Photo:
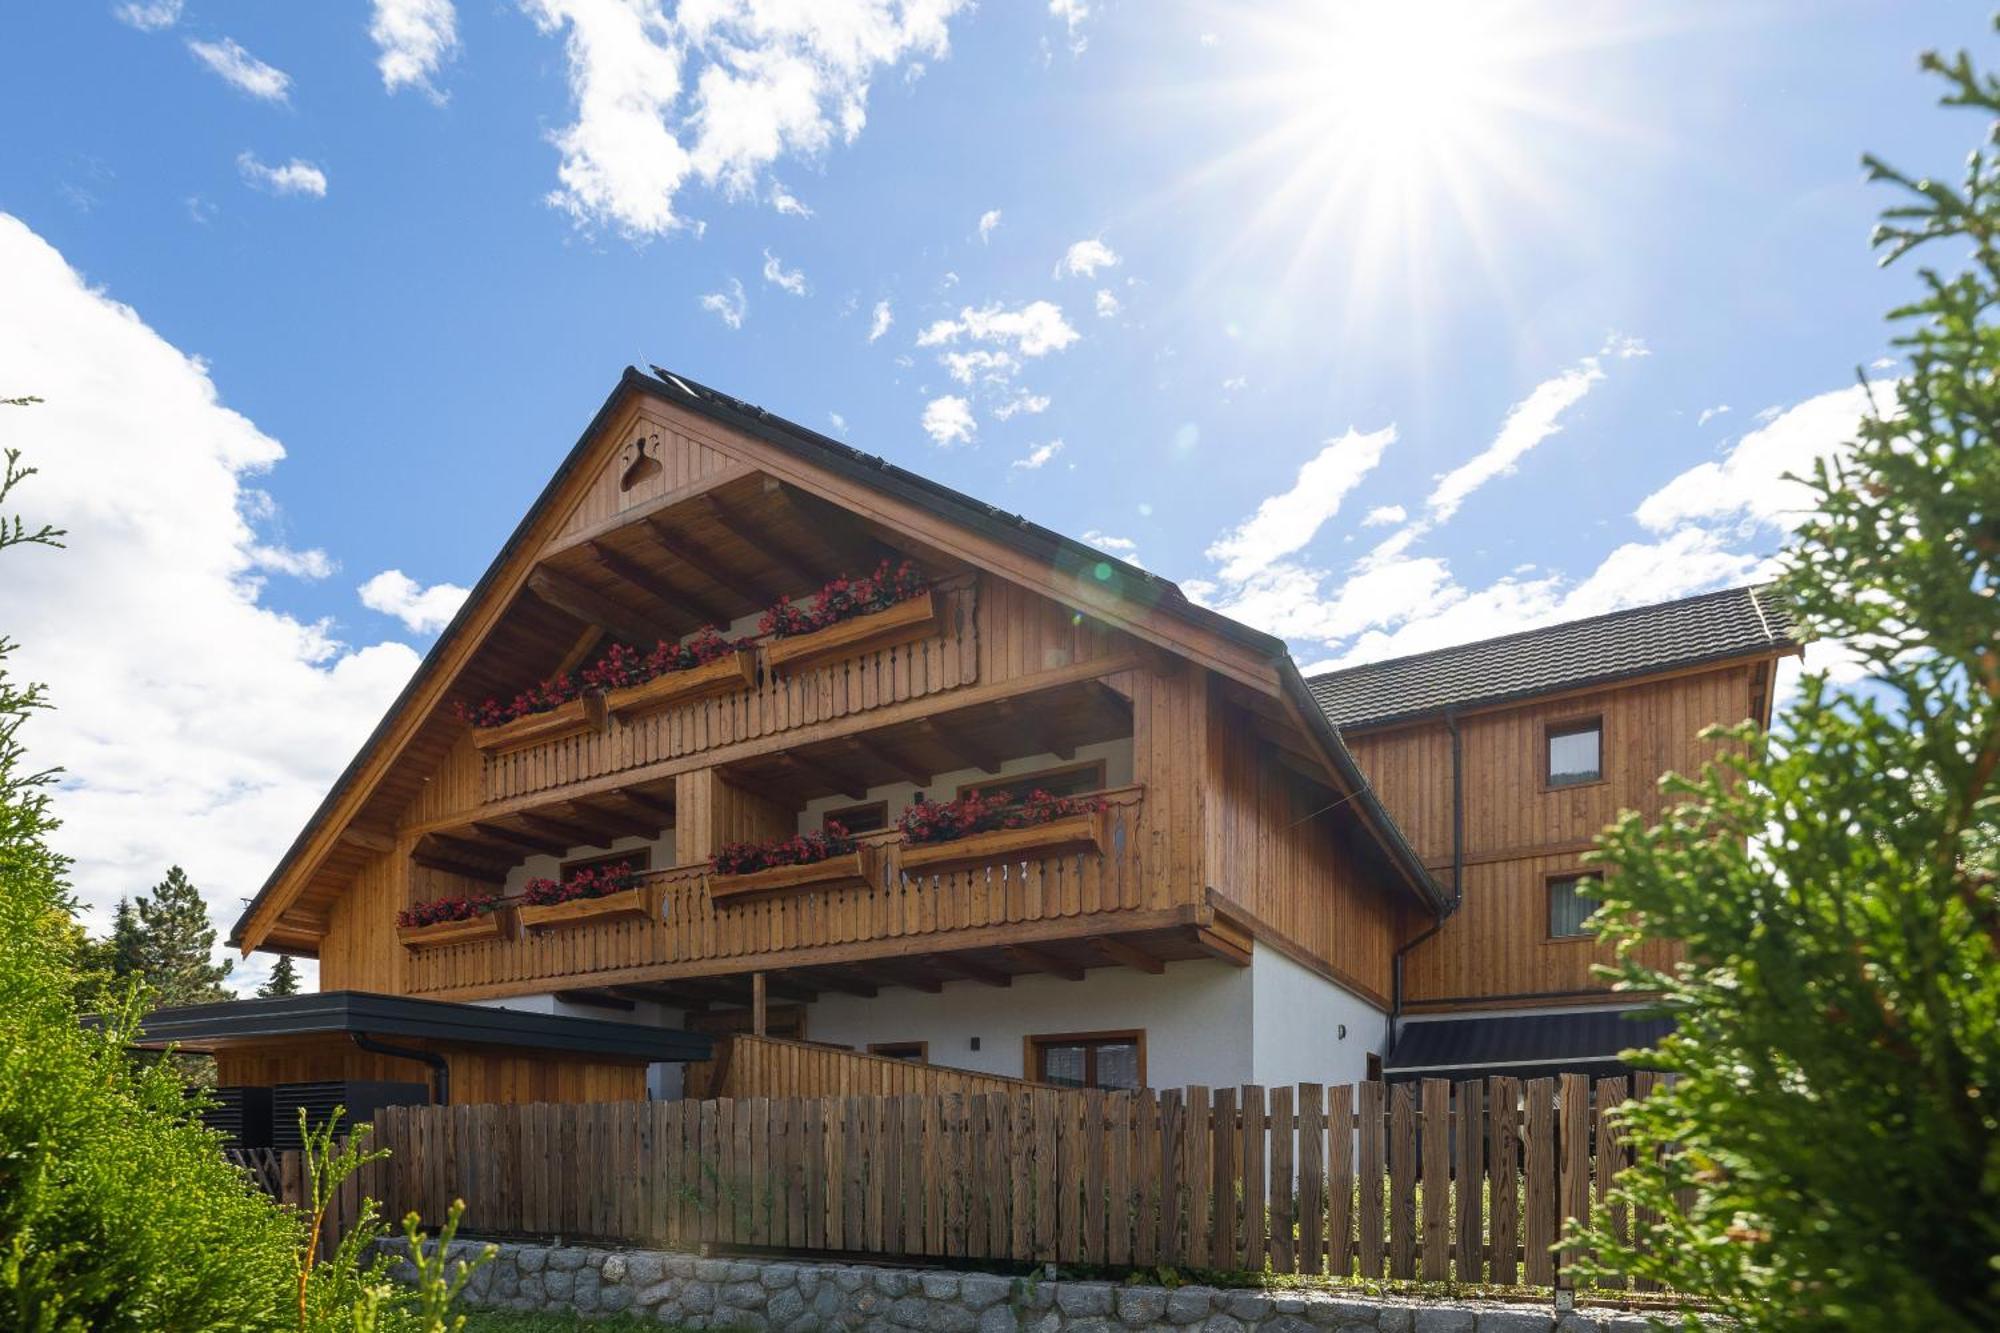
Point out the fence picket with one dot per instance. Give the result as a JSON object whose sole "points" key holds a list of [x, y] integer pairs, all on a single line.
{"points": [[1435, 1164], [1280, 1196]]}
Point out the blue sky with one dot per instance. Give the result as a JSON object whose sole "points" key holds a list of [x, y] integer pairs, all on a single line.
{"points": [[1219, 286]]}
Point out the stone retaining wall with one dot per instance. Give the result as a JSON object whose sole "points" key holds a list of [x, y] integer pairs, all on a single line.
{"points": [[779, 1296]]}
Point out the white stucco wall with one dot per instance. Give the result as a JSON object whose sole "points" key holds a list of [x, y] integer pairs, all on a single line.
{"points": [[1196, 1016], [1305, 1028]]}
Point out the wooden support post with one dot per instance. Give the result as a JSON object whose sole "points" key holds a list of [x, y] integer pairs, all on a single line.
{"points": [[757, 1003]]}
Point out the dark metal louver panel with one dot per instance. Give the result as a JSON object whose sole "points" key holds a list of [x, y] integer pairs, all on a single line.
{"points": [[358, 1099]]}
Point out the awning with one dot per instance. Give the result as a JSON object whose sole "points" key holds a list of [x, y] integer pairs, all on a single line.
{"points": [[204, 1027], [1528, 1045]]}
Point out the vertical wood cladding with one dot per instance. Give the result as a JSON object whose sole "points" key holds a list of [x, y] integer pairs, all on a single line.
{"points": [[1518, 831]]}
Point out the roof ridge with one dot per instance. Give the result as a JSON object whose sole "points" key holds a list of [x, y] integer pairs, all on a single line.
{"points": [[1749, 589]]}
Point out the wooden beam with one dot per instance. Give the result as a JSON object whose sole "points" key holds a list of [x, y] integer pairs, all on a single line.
{"points": [[892, 977], [645, 800], [704, 563], [591, 607], [838, 528], [692, 609], [759, 1004], [901, 764], [845, 783], [1131, 955], [599, 999], [1019, 713], [846, 983], [787, 557], [573, 835], [1229, 951], [1041, 960], [432, 860], [668, 995], [367, 839], [955, 743], [527, 842], [466, 849], [971, 971]]}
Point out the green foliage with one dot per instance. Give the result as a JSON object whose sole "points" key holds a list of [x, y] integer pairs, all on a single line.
{"points": [[1836, 1117], [175, 942], [116, 1211], [284, 979]]}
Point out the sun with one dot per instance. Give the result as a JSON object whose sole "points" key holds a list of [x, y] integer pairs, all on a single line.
{"points": [[1373, 136]]}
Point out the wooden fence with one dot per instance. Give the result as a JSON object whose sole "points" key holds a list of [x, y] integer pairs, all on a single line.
{"points": [[282, 1175], [747, 1066], [1465, 1180]]}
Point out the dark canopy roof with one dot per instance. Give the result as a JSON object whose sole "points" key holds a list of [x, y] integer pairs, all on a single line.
{"points": [[197, 1027], [1712, 627], [1521, 1045]]}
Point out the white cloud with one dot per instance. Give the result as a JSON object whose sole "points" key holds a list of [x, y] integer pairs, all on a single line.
{"points": [[1531, 421], [1709, 414], [948, 420], [1072, 13], [1031, 403], [1284, 523], [787, 203], [243, 71], [979, 363], [1035, 329], [729, 306], [1123, 547], [150, 15], [294, 177], [880, 322], [195, 722], [1038, 456], [716, 93], [987, 222], [1749, 482], [775, 273], [415, 38], [839, 422], [1085, 258], [423, 610], [1382, 515], [312, 564], [1107, 304]]}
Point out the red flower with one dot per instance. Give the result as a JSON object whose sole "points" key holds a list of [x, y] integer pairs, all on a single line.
{"points": [[448, 909], [589, 882], [947, 821], [801, 849], [845, 598]]}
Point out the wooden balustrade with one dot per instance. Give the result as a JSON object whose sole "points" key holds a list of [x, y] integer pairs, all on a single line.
{"points": [[866, 679], [751, 1066], [1090, 888]]}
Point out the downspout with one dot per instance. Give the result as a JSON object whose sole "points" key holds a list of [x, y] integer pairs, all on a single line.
{"points": [[440, 1071], [1457, 879]]}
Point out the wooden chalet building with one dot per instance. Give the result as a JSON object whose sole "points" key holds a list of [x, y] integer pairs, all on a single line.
{"points": [[1263, 870]]}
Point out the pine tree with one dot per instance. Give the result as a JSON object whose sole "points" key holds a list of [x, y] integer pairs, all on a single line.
{"points": [[175, 941], [126, 942], [1828, 1157], [284, 980]]}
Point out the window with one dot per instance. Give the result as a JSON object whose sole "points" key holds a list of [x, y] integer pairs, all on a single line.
{"points": [[1374, 1074], [1572, 898], [1070, 780], [639, 858], [1575, 752], [864, 818], [1115, 1060], [916, 1052]]}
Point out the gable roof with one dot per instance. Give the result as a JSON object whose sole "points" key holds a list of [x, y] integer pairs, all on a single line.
{"points": [[1013, 530], [1667, 636]]}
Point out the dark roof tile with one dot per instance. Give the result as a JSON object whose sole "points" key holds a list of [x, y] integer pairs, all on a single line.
{"points": [[1712, 627]]}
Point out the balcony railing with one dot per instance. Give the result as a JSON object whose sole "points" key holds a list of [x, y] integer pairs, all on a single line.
{"points": [[891, 914], [778, 702]]}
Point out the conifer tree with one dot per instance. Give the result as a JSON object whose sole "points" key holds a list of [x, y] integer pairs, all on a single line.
{"points": [[1828, 1157], [284, 979], [174, 944]]}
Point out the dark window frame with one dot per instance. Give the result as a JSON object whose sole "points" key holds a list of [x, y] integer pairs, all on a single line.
{"points": [[1549, 882], [881, 808], [639, 858], [919, 1051], [1555, 729], [1036, 1045]]}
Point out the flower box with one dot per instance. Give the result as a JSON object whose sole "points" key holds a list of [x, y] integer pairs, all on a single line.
{"points": [[725, 675], [906, 622], [574, 718], [497, 925], [853, 870], [640, 903], [1090, 832]]}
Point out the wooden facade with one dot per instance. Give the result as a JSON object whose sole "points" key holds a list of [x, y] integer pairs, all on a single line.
{"points": [[1519, 833], [667, 520]]}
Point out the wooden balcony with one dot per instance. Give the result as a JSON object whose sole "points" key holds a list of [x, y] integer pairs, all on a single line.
{"points": [[870, 676], [1021, 911]]}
